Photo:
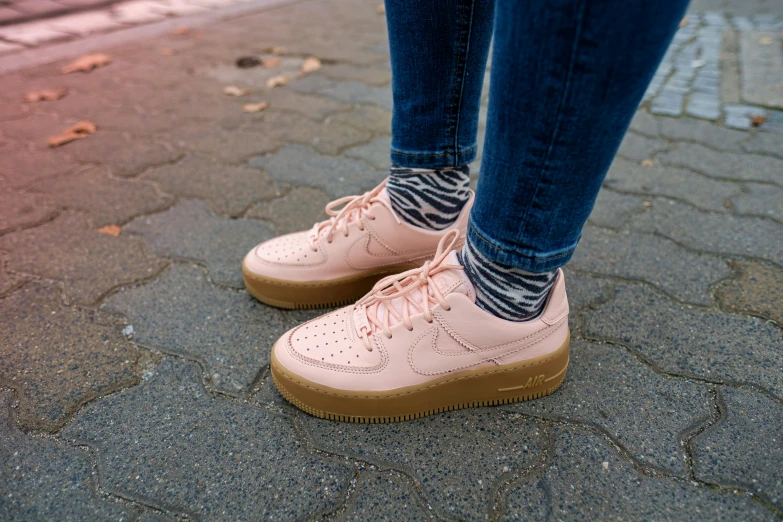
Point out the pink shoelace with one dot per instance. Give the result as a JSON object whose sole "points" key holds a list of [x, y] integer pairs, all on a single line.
{"points": [[375, 310], [355, 208]]}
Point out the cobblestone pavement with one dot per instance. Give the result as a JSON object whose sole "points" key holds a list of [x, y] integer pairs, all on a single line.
{"points": [[133, 368]]}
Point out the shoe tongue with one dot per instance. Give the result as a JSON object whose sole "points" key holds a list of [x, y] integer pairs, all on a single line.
{"points": [[448, 281], [454, 281]]}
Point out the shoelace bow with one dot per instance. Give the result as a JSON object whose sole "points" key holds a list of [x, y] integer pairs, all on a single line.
{"points": [[355, 208], [403, 286]]}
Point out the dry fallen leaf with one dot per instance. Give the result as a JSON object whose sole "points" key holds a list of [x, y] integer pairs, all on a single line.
{"points": [[757, 120], [381, 9], [647, 163], [45, 95], [255, 107], [766, 40], [167, 51], [311, 64], [277, 50], [683, 22], [647, 204], [181, 31], [271, 62], [277, 80], [110, 230], [76, 131], [87, 63], [233, 90], [245, 62]]}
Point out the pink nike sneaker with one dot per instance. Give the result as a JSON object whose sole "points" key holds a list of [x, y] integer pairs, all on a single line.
{"points": [[339, 260], [417, 344]]}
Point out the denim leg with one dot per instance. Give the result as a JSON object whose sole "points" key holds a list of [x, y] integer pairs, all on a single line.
{"points": [[438, 56], [567, 77]]}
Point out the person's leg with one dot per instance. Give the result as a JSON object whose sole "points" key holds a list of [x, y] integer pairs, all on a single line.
{"points": [[567, 77], [438, 57]]}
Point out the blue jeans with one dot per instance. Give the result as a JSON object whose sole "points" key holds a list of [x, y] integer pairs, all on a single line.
{"points": [[566, 79]]}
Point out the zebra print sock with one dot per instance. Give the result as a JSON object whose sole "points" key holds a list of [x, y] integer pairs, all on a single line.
{"points": [[504, 291], [430, 199]]}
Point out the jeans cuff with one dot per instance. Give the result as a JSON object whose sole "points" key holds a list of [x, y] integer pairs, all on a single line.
{"points": [[433, 160], [531, 261]]}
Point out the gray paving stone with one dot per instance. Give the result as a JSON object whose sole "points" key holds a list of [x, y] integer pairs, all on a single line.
{"points": [[756, 289], [297, 210], [386, 496], [700, 191], [709, 345], [106, 200], [315, 107], [583, 291], [711, 232], [760, 199], [357, 92], [58, 358], [181, 313], [311, 84], [766, 143], [689, 129], [744, 449], [588, 480], [456, 457], [613, 209], [84, 23], [20, 210], [668, 103], [709, 86], [762, 68], [726, 165], [34, 128], [337, 177], [229, 147], [152, 516], [773, 123], [327, 137], [376, 153], [220, 459], [43, 480], [647, 412], [87, 263], [366, 117], [638, 147], [703, 106], [125, 156], [31, 33], [190, 231], [715, 18], [137, 12], [644, 123], [374, 76], [684, 275], [6, 47], [737, 122], [9, 282], [741, 23], [228, 189]]}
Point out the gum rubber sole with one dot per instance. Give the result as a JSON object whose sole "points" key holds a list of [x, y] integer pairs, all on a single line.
{"points": [[492, 386], [316, 294]]}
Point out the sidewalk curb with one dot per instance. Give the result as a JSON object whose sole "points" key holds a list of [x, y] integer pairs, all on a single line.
{"points": [[50, 53]]}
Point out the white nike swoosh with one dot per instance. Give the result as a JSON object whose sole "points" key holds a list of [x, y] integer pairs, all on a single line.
{"points": [[426, 359]]}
